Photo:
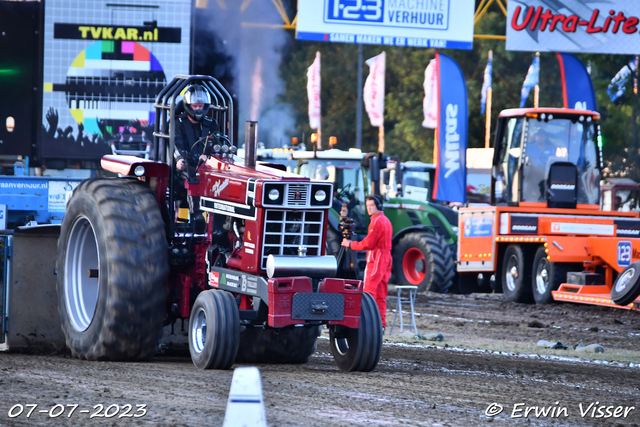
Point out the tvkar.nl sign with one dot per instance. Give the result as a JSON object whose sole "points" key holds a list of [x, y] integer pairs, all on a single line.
{"points": [[583, 26], [419, 23]]}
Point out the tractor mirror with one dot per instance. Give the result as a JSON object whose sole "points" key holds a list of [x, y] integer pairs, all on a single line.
{"points": [[386, 176], [374, 169]]}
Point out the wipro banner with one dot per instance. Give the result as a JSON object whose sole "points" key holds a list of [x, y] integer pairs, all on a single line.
{"points": [[418, 23], [584, 26], [453, 127]]}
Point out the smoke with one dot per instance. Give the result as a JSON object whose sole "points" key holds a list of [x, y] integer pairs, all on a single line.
{"points": [[256, 54], [256, 90]]}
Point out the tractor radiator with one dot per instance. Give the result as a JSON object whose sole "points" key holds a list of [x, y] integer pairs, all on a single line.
{"points": [[285, 231]]}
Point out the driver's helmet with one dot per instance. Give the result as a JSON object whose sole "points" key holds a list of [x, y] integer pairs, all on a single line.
{"points": [[322, 173], [195, 94]]}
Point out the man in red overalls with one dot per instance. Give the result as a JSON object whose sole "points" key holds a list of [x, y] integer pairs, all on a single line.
{"points": [[378, 247]]}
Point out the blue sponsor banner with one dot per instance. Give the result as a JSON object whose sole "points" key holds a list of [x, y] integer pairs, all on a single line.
{"points": [[453, 127], [440, 24], [577, 87], [478, 226]]}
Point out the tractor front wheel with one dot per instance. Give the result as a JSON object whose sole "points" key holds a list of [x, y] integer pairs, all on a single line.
{"points": [[359, 349], [112, 271], [214, 330], [424, 260]]}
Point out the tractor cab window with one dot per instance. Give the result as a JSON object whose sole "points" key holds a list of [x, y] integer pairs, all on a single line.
{"points": [[416, 185], [560, 140], [346, 176], [507, 174]]}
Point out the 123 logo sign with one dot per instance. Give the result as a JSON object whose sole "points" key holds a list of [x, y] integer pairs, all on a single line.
{"points": [[624, 253]]}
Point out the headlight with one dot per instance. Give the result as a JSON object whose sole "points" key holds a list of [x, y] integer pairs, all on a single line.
{"points": [[139, 170], [320, 196], [274, 195]]}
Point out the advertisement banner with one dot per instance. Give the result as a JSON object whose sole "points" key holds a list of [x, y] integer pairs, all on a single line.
{"points": [[104, 64], [373, 94], [442, 24], [313, 92], [577, 87], [451, 168], [584, 26]]}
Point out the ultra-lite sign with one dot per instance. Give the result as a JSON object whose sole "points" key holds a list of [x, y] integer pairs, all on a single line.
{"points": [[584, 26], [442, 24]]}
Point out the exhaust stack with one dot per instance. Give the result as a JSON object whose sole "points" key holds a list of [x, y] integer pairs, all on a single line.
{"points": [[250, 144]]}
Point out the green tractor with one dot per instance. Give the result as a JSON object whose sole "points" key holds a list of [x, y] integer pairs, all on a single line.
{"points": [[425, 232]]}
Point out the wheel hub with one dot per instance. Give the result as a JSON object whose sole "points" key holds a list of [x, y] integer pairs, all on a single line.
{"points": [[81, 283], [414, 266], [542, 276], [624, 281], [512, 274], [199, 330]]}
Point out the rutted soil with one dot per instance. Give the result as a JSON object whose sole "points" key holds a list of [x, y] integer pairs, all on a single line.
{"points": [[417, 383]]}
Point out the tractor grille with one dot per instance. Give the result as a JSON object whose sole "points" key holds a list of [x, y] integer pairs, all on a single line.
{"points": [[297, 195], [285, 231]]}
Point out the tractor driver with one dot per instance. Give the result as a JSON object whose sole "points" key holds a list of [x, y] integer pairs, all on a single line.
{"points": [[539, 150], [192, 125]]}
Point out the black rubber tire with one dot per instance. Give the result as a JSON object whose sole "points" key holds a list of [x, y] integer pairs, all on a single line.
{"points": [[359, 349], [119, 221], [516, 284], [438, 263], [216, 346], [290, 345], [556, 274], [626, 288]]}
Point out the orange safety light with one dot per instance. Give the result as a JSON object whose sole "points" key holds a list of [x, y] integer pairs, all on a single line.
{"points": [[333, 141], [294, 140], [314, 137]]}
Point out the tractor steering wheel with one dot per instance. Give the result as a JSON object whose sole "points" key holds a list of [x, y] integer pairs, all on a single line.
{"points": [[344, 191]]}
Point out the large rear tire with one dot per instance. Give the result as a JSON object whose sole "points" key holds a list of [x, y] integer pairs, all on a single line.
{"points": [[112, 271], [359, 349], [294, 346], [516, 275], [214, 330], [425, 260], [626, 288]]}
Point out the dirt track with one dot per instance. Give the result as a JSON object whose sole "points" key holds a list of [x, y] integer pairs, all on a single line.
{"points": [[416, 383]]}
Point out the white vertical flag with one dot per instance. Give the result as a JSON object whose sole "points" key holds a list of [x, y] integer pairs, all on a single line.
{"points": [[374, 90], [313, 92], [430, 103]]}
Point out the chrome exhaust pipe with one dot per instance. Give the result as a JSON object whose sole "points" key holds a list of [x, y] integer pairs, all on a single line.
{"points": [[250, 143], [316, 267]]}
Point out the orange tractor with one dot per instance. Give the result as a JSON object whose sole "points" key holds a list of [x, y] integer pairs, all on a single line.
{"points": [[545, 237]]}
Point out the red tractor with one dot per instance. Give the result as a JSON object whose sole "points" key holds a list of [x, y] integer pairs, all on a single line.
{"points": [[247, 268]]}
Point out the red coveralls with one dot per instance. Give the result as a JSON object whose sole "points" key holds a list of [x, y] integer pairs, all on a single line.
{"points": [[378, 247]]}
